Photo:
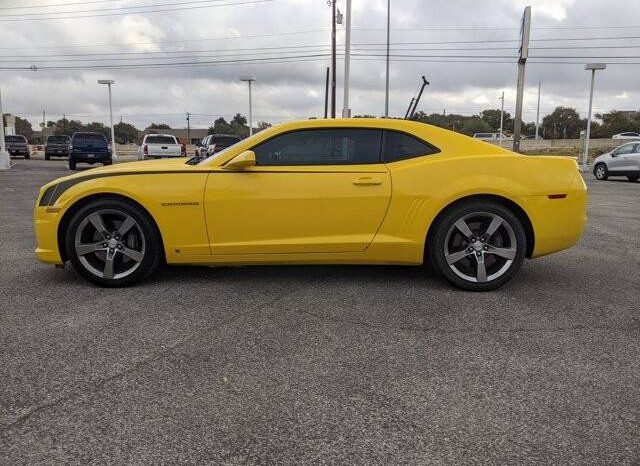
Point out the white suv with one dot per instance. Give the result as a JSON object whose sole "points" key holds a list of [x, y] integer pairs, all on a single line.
{"points": [[621, 161]]}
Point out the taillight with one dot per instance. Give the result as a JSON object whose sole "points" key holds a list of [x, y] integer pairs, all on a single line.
{"points": [[183, 149], [146, 149]]}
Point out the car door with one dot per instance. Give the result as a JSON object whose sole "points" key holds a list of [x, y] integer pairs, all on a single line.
{"points": [[311, 191], [621, 158], [634, 159]]}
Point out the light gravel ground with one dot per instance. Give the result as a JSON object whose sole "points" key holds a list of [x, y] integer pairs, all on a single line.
{"points": [[324, 364]]}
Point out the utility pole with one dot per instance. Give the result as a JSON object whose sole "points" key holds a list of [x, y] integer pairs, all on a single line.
{"points": [[406, 114], [346, 111], [188, 128], [591, 67], [5, 161], [44, 119], [501, 99], [64, 122], [333, 58], [326, 93], [538, 110], [386, 86], [525, 28]]}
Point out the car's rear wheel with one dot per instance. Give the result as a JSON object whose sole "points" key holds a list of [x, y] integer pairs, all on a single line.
{"points": [[478, 245], [113, 243], [47, 157], [600, 172], [72, 164], [633, 178]]}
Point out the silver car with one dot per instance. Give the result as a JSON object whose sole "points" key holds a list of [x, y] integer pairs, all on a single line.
{"points": [[621, 161]]}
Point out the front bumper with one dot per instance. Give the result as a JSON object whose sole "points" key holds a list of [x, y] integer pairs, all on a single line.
{"points": [[46, 230]]}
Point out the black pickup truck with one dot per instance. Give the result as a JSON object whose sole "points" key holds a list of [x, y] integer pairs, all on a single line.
{"points": [[17, 145], [57, 146]]}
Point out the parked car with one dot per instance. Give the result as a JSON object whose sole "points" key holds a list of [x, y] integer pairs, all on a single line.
{"points": [[492, 137], [215, 143], [90, 148], [58, 146], [17, 145], [156, 146], [621, 161], [627, 135], [339, 191]]}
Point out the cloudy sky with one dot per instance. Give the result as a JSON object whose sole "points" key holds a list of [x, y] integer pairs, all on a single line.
{"points": [[188, 55]]}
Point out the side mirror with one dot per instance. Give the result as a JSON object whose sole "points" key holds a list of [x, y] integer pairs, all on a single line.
{"points": [[242, 161], [614, 153]]}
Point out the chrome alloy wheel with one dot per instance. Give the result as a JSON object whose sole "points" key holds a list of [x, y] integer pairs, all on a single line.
{"points": [[110, 244], [480, 247]]}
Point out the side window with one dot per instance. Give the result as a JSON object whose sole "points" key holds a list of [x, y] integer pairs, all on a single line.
{"points": [[344, 146], [628, 149], [400, 146]]}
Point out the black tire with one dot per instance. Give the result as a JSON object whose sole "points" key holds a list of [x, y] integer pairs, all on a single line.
{"points": [[600, 172], [633, 178], [107, 163], [478, 216], [27, 156], [47, 156], [142, 239], [72, 164]]}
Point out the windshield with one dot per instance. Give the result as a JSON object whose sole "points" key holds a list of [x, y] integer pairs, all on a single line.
{"points": [[224, 140], [15, 139], [60, 139], [160, 140], [89, 139]]}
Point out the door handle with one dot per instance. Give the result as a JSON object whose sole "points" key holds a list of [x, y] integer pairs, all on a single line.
{"points": [[367, 181]]}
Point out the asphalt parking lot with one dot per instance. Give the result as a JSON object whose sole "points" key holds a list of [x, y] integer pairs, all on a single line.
{"points": [[322, 364]]}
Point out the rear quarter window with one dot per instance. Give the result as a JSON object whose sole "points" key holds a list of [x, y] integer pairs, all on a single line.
{"points": [[89, 139], [401, 146]]}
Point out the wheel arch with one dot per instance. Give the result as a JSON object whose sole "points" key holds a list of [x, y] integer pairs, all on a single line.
{"points": [[80, 203], [517, 210]]}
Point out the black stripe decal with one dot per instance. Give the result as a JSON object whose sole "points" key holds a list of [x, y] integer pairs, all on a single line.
{"points": [[53, 193]]}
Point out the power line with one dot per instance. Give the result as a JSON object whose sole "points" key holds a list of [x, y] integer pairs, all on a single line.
{"points": [[131, 7], [245, 2]]}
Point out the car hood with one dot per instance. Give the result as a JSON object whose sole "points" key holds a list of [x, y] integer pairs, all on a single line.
{"points": [[163, 165]]}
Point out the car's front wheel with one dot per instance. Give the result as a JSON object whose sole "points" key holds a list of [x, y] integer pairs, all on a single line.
{"points": [[633, 178], [113, 242], [478, 245], [600, 172]]}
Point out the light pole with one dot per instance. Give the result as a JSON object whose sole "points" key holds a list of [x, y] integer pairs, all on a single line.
{"points": [[346, 111], [5, 163], [501, 117], [386, 91], [593, 67], [249, 79], [109, 82], [538, 111]]}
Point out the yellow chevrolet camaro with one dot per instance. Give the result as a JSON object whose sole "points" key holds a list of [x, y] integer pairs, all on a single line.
{"points": [[352, 191]]}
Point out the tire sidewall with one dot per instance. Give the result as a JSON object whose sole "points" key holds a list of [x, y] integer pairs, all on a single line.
{"points": [[153, 249], [595, 172], [436, 244]]}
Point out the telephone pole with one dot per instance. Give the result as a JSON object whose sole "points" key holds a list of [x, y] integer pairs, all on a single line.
{"points": [[326, 94], [386, 85], [333, 58], [346, 111], [522, 61], [188, 128]]}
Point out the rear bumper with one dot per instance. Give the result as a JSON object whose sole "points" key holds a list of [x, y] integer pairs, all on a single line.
{"points": [[17, 151], [558, 223], [83, 157]]}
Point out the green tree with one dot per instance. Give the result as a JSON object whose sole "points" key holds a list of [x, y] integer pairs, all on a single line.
{"points": [[492, 118], [616, 122], [220, 126], [68, 127], [125, 133], [475, 125], [562, 123], [156, 126], [263, 125]]}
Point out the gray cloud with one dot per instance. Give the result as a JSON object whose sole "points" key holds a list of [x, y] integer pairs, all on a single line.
{"points": [[291, 90]]}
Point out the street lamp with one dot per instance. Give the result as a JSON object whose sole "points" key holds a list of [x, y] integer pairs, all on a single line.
{"points": [[5, 162], [249, 79], [346, 111], [593, 67], [109, 82]]}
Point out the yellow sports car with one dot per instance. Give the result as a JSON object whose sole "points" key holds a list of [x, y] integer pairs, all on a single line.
{"points": [[351, 191]]}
